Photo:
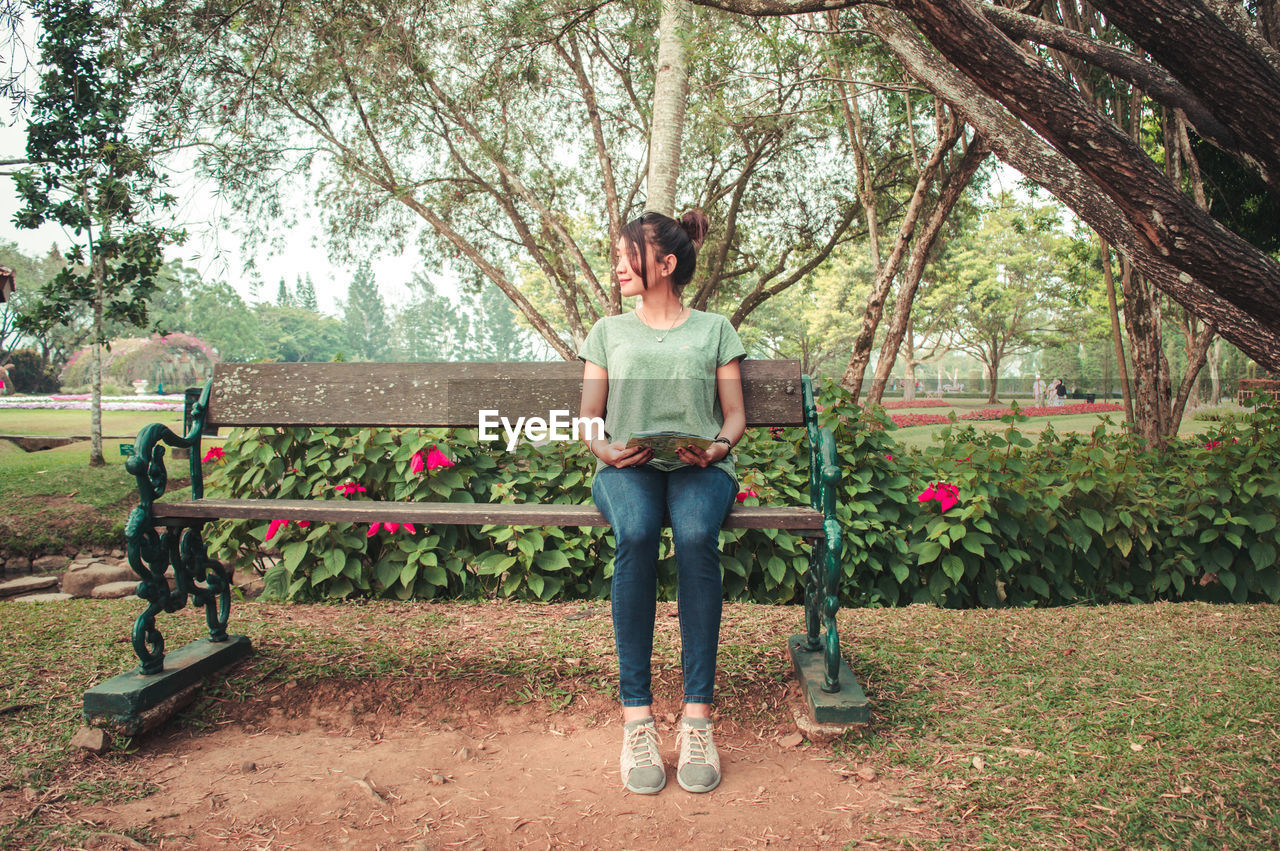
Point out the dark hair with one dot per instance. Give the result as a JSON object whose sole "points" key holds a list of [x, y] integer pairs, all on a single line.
{"points": [[682, 238]]}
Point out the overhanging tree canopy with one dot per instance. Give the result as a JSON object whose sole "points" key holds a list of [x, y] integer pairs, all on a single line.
{"points": [[1207, 58]]}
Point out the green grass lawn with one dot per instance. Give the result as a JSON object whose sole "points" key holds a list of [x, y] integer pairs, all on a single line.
{"points": [[1150, 726], [918, 437], [118, 423], [53, 500]]}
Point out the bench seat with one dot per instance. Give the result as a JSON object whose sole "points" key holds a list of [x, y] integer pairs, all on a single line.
{"points": [[455, 513]]}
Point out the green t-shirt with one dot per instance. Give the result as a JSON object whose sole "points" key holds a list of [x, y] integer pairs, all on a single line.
{"points": [[663, 386]]}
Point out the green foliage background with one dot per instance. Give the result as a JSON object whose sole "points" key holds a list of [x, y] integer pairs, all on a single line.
{"points": [[1068, 519]]}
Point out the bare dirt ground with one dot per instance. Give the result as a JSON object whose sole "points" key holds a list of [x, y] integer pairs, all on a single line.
{"points": [[403, 764]]}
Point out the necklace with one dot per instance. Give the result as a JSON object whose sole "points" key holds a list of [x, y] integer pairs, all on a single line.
{"points": [[668, 331]]}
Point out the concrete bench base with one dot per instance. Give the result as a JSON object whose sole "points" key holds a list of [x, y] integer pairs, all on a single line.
{"points": [[847, 706], [135, 702]]}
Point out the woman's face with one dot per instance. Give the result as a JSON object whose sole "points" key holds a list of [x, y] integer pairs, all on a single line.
{"points": [[629, 276]]}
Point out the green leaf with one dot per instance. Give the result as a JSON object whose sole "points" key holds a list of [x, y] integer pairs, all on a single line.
{"points": [[1036, 584], [408, 574], [929, 550], [293, 554], [275, 583], [551, 560], [386, 572], [1263, 555], [1270, 584], [1092, 519]]}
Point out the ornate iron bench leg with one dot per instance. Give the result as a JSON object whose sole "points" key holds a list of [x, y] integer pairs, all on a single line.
{"points": [[830, 604], [138, 699], [813, 595], [149, 557], [194, 565]]}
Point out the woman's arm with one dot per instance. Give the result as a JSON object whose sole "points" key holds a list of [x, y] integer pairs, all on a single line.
{"points": [[729, 389], [595, 393]]}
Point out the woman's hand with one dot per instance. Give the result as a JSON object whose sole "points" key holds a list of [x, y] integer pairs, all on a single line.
{"points": [[619, 455], [699, 457]]}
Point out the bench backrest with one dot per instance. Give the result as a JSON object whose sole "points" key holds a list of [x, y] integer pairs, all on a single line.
{"points": [[445, 394]]}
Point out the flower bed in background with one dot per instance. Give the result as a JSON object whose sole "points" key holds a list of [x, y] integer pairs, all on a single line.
{"points": [[908, 420], [896, 404], [81, 402], [1043, 411]]}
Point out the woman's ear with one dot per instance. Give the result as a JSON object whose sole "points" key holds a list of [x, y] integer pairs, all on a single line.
{"points": [[667, 265]]}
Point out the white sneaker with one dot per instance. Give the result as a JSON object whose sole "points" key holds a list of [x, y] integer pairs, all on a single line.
{"points": [[642, 768], [699, 766]]}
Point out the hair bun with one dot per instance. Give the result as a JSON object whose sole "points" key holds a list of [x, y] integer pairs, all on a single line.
{"points": [[695, 224]]}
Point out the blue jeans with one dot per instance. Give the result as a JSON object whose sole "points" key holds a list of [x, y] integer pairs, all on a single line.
{"points": [[636, 501]]}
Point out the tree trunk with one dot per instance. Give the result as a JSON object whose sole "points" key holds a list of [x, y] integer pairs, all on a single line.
{"points": [[1197, 349], [862, 344], [1214, 359], [670, 94], [95, 405], [952, 189], [909, 379], [1116, 337], [1152, 385], [993, 370]]}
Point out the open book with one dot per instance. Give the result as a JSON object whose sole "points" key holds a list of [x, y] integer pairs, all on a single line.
{"points": [[665, 443]]}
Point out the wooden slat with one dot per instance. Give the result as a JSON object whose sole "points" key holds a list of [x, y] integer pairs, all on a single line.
{"points": [[444, 394], [449, 513]]}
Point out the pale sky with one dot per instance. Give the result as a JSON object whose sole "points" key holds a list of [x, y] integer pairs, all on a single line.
{"points": [[216, 250]]}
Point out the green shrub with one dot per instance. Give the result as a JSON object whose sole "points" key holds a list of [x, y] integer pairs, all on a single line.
{"points": [[1068, 519], [28, 373]]}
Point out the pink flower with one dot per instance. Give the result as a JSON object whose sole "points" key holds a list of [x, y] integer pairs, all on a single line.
{"points": [[349, 488], [408, 527], [391, 527], [418, 463], [743, 495], [888, 457], [275, 526], [946, 494], [304, 523], [1213, 444], [436, 458], [373, 529], [216, 453]]}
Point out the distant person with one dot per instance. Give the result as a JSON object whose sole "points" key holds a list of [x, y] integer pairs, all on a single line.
{"points": [[1062, 392], [1037, 390]]}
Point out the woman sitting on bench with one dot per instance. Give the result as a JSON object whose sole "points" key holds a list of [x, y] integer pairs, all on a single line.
{"points": [[669, 368]]}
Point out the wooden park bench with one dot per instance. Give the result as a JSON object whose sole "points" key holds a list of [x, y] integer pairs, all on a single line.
{"points": [[160, 535]]}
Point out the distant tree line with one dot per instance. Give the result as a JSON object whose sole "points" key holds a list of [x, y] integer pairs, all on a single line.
{"points": [[428, 325]]}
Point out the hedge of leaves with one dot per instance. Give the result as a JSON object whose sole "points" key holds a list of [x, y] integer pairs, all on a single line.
{"points": [[980, 518]]}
